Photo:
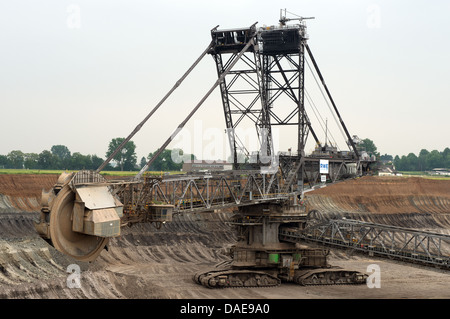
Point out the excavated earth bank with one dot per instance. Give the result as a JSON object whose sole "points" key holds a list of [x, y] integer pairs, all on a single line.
{"points": [[406, 202], [145, 262]]}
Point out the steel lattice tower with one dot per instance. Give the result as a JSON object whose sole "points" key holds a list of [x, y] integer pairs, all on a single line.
{"points": [[273, 67]]}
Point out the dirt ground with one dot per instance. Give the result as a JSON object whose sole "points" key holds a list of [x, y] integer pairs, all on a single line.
{"points": [[384, 195], [149, 263]]}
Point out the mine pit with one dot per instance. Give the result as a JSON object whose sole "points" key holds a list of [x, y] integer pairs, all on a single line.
{"points": [[146, 262]]}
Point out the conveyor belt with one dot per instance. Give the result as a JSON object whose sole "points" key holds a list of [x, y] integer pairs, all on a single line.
{"points": [[377, 239]]}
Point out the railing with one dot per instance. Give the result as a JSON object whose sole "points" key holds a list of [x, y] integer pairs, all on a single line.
{"points": [[209, 192], [202, 192], [377, 239]]}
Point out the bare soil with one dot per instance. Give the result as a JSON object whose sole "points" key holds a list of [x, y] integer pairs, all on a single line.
{"points": [[384, 195], [149, 263]]}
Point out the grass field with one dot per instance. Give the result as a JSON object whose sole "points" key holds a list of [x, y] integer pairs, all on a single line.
{"points": [[110, 173], [424, 175]]}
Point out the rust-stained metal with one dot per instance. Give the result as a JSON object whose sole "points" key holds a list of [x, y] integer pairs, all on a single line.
{"points": [[83, 210], [79, 220]]}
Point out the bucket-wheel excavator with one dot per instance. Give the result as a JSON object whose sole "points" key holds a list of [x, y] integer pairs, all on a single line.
{"points": [[83, 210]]}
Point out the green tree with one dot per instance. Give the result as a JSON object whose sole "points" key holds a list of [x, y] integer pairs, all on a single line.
{"points": [[369, 146], [423, 152], [446, 152], [143, 162], [386, 158], [446, 157], [402, 165], [397, 162], [31, 160], [96, 161], [4, 162], [80, 161], [422, 160], [63, 155], [165, 161], [126, 157], [16, 159], [46, 160], [411, 162], [434, 159]]}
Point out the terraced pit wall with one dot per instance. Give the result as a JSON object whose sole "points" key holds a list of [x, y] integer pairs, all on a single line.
{"points": [[145, 262], [400, 201]]}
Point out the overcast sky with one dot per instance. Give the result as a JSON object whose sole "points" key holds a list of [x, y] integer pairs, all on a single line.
{"points": [[80, 73]]}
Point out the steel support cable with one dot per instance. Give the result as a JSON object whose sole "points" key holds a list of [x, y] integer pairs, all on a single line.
{"points": [[316, 112], [349, 139], [326, 101], [139, 126], [318, 116], [182, 124], [314, 109]]}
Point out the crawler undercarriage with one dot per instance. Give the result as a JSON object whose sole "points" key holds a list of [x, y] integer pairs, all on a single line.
{"points": [[237, 278], [260, 259]]}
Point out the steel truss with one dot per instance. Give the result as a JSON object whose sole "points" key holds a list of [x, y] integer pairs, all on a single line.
{"points": [[250, 90], [242, 89], [377, 239], [201, 192], [271, 68]]}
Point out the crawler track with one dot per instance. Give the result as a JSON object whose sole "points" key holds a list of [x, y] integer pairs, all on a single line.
{"points": [[233, 278], [335, 276]]}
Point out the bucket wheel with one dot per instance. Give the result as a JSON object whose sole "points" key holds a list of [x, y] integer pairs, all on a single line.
{"points": [[79, 246]]}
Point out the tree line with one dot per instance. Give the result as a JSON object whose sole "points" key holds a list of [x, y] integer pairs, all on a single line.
{"points": [[424, 161], [59, 157]]}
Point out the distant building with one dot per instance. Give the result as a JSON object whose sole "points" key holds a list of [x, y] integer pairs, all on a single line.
{"points": [[440, 171], [389, 174], [388, 170], [197, 165]]}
